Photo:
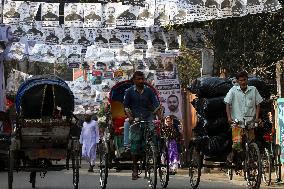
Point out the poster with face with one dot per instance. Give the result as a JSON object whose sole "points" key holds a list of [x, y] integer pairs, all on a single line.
{"points": [[35, 32], [110, 14], [51, 53], [158, 39], [17, 32], [115, 40], [16, 51], [141, 38], [29, 11], [180, 16], [63, 54], [53, 35], [74, 56], [73, 14], [172, 40], [7, 33], [82, 37], [36, 53], [145, 16], [126, 16], [69, 36], [101, 40], [93, 15], [161, 17], [11, 12], [50, 14]]}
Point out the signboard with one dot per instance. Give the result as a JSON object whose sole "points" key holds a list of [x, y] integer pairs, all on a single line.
{"points": [[280, 103]]}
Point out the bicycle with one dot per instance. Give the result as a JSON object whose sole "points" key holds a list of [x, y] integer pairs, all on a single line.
{"points": [[151, 149], [251, 161]]}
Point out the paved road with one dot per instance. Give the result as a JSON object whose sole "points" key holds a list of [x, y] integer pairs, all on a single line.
{"points": [[63, 180]]}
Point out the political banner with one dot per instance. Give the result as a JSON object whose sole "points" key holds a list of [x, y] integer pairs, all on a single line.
{"points": [[50, 14], [73, 14], [93, 15]]}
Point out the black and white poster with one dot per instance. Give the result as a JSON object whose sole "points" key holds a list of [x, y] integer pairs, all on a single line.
{"points": [[93, 15], [172, 39], [63, 54], [11, 12], [16, 32], [158, 39], [83, 37], [53, 35], [69, 36], [16, 51], [34, 32], [74, 56], [73, 14], [161, 17], [110, 14], [29, 11], [145, 16], [127, 16], [50, 14], [141, 38], [115, 40], [101, 38]]}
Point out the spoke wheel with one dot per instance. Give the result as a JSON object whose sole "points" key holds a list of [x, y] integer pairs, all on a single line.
{"points": [[195, 165], [253, 168], [104, 159], [10, 169], [151, 166], [266, 166], [75, 167], [164, 167]]}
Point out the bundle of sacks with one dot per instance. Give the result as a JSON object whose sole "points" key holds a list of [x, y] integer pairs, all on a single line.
{"points": [[211, 110], [212, 129]]}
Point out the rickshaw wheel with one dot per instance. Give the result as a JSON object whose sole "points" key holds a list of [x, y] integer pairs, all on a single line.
{"points": [[266, 166], [11, 168], [104, 159], [75, 167], [253, 168], [151, 166], [195, 165], [164, 167]]}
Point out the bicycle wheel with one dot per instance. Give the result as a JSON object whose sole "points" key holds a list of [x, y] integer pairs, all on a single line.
{"points": [[253, 169], [195, 165], [10, 169], [164, 167], [266, 166], [151, 166], [75, 167], [277, 163], [104, 159]]}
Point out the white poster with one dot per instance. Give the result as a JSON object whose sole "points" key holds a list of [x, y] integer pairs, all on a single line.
{"points": [[29, 11], [145, 16], [110, 14], [53, 35], [63, 55], [35, 32], [50, 14], [167, 83], [73, 14], [93, 15], [74, 56], [126, 16], [11, 12], [16, 51], [69, 36]]}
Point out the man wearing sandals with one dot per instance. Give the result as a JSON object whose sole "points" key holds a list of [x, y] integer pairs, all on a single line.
{"points": [[141, 102], [241, 101]]}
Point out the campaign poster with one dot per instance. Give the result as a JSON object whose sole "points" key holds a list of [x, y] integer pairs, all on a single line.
{"points": [[280, 102], [93, 15], [50, 14], [73, 14], [11, 12], [146, 13], [29, 11], [127, 16]]}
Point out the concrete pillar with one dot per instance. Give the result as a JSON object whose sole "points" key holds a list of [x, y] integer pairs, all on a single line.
{"points": [[207, 62]]}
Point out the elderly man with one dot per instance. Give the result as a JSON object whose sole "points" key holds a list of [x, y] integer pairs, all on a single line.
{"points": [[89, 139]]}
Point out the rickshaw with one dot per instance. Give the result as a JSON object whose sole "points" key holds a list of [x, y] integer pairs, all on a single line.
{"points": [[45, 132], [111, 150]]}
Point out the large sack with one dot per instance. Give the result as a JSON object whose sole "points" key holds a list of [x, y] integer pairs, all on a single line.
{"points": [[210, 107], [207, 87], [262, 87]]}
